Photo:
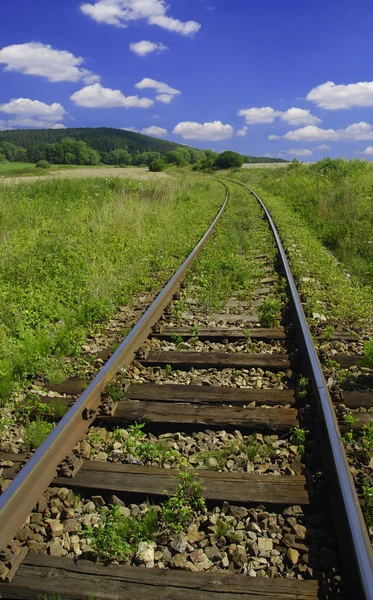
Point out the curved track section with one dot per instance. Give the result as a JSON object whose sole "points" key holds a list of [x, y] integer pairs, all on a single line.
{"points": [[358, 547]]}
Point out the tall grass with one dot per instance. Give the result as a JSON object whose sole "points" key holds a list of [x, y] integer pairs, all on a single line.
{"points": [[335, 198], [72, 250]]}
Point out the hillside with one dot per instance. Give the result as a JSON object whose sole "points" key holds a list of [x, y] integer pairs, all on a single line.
{"points": [[104, 140]]}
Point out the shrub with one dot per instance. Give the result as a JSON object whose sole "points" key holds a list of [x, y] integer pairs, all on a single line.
{"points": [[228, 160], [157, 165], [42, 164]]}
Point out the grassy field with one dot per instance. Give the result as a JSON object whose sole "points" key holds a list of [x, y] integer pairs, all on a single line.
{"points": [[71, 250], [334, 198], [14, 167], [326, 287]]}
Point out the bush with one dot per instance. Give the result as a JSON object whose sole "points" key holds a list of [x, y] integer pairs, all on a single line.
{"points": [[42, 164], [157, 165], [228, 160]]}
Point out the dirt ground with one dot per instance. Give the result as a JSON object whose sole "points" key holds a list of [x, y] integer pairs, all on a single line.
{"points": [[130, 172]]}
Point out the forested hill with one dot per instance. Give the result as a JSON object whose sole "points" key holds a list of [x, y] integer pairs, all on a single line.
{"points": [[103, 139], [88, 146]]}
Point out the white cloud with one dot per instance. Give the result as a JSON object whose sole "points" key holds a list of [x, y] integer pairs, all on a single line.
{"points": [[35, 58], [154, 130], [165, 93], [242, 132], [121, 12], [274, 137], [215, 131], [133, 129], [368, 151], [323, 147], [37, 123], [33, 108], [165, 98], [356, 131], [333, 97], [3, 125], [266, 114], [96, 96], [145, 47], [300, 152], [299, 116]]}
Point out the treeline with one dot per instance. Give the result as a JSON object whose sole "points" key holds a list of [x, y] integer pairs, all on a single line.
{"points": [[108, 146]]}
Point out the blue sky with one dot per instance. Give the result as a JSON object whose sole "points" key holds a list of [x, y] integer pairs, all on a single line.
{"points": [[286, 79]]}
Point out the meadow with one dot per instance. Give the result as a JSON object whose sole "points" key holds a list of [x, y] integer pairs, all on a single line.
{"points": [[72, 250], [334, 198]]}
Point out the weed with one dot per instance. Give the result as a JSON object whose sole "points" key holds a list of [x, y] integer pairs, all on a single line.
{"points": [[367, 360], [270, 313], [168, 369], [328, 333], [116, 536], [195, 332], [36, 432], [94, 438], [179, 510], [299, 435], [114, 391], [250, 344], [303, 383], [367, 439], [349, 420], [221, 528], [178, 340]]}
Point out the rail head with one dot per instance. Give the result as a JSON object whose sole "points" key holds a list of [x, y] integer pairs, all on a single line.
{"points": [[361, 549], [19, 499]]}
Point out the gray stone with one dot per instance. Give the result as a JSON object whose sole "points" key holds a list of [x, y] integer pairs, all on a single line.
{"points": [[292, 555], [265, 545], [179, 544], [145, 554], [55, 549], [55, 528], [71, 525], [213, 553]]}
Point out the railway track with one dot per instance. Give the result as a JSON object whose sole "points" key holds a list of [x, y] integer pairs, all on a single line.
{"points": [[273, 511]]}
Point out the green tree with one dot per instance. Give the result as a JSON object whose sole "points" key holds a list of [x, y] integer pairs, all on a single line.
{"points": [[2, 158], [228, 159], [179, 157], [157, 165], [119, 157]]}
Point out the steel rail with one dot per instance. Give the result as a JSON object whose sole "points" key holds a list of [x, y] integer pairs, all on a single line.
{"points": [[24, 492], [360, 549]]}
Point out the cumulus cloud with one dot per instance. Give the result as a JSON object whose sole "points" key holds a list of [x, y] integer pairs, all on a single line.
{"points": [[96, 96], [333, 97], [215, 131], [299, 116], [33, 108], [154, 130], [145, 47], [300, 152], [323, 147], [274, 137], [133, 129], [165, 93], [37, 123], [368, 151], [266, 114], [356, 131], [242, 132], [121, 12], [35, 58]]}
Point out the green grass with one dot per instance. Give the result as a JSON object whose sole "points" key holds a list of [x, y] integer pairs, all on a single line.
{"points": [[335, 199], [71, 251], [11, 167], [325, 287]]}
